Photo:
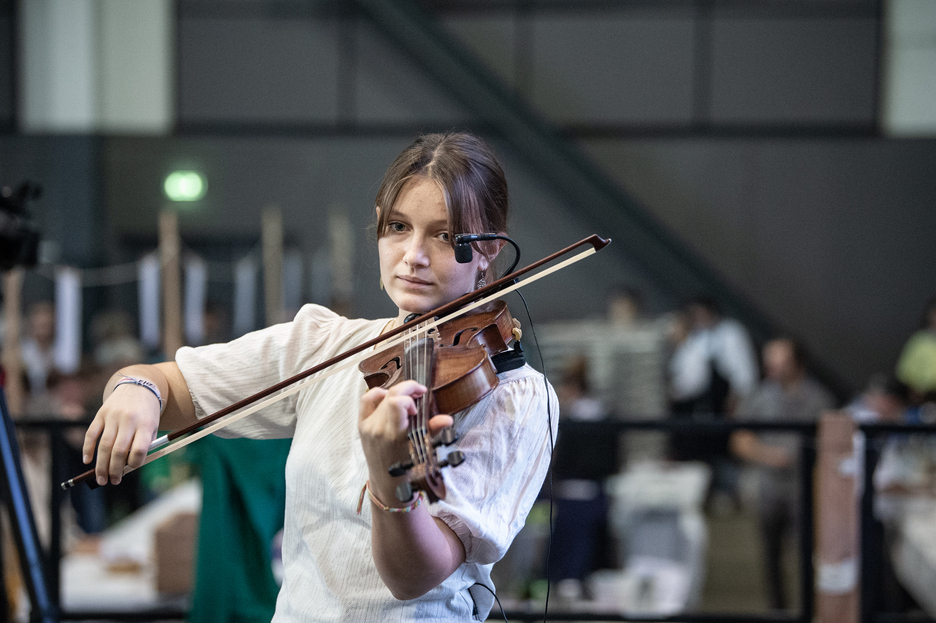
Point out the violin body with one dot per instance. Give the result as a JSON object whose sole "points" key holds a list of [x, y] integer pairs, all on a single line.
{"points": [[453, 361]]}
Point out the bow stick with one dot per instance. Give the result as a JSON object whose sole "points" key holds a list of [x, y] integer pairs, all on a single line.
{"points": [[161, 446]]}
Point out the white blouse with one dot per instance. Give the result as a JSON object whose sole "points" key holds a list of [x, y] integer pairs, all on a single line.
{"points": [[328, 568]]}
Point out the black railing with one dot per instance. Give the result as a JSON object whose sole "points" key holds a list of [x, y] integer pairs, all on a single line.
{"points": [[55, 430], [707, 427], [871, 545]]}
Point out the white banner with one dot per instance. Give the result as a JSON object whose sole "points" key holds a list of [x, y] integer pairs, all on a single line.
{"points": [[292, 282], [67, 320], [245, 296], [149, 293], [196, 292]]}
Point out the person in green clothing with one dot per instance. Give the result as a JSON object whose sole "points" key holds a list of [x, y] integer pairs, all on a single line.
{"points": [[916, 366]]}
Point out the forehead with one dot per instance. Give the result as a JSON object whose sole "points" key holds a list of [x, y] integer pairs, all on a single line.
{"points": [[421, 198]]}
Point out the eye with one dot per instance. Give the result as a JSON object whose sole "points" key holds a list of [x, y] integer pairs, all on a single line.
{"points": [[395, 226], [445, 237]]}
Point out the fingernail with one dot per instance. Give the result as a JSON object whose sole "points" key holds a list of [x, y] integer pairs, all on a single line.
{"points": [[85, 459], [101, 480]]}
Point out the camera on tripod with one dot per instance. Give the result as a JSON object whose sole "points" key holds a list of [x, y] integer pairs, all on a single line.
{"points": [[19, 238]]}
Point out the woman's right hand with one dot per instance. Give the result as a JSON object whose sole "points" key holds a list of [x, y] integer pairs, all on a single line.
{"points": [[127, 422], [122, 431]]}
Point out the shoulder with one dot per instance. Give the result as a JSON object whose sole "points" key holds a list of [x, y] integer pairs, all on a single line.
{"points": [[324, 318], [522, 396], [524, 381]]}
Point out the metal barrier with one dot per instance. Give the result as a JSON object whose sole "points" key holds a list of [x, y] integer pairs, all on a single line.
{"points": [[870, 545], [711, 427], [55, 430]]}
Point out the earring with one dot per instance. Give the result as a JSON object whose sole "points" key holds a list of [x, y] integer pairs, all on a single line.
{"points": [[481, 281], [381, 283]]}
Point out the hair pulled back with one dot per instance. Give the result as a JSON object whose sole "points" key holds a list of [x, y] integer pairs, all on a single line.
{"points": [[469, 176]]}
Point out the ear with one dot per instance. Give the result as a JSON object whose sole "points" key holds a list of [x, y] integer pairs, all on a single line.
{"points": [[494, 247]]}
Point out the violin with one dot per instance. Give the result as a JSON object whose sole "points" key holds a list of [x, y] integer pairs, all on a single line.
{"points": [[453, 361], [178, 439]]}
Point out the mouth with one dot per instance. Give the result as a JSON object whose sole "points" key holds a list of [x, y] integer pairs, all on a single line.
{"points": [[414, 281]]}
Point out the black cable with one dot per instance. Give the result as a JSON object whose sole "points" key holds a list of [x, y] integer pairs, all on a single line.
{"points": [[463, 252], [552, 444], [516, 260], [497, 599]]}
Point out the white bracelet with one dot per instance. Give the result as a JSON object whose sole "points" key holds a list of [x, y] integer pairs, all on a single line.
{"points": [[132, 380]]}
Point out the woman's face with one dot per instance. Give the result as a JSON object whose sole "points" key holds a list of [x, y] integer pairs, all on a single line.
{"points": [[417, 262]]}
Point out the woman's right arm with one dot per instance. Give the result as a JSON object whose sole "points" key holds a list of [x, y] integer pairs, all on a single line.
{"points": [[126, 423]]}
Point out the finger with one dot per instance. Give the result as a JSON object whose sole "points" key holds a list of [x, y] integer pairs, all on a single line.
{"points": [[140, 447], [91, 437], [105, 446], [439, 422], [408, 388], [370, 401], [118, 457], [399, 408]]}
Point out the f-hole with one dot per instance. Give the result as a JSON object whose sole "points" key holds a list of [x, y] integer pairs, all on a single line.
{"points": [[395, 360], [457, 340]]}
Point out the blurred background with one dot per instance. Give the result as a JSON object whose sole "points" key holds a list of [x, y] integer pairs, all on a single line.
{"points": [[767, 162]]}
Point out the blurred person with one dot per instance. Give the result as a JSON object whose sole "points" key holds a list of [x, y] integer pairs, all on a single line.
{"points": [[625, 306], [916, 366], [66, 398], [710, 369], [903, 473], [583, 460], [715, 365], [787, 394], [37, 347], [115, 342]]}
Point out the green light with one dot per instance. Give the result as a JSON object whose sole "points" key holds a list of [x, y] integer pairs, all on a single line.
{"points": [[185, 186]]}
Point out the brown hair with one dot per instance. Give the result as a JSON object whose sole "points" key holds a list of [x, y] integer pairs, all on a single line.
{"points": [[472, 183]]}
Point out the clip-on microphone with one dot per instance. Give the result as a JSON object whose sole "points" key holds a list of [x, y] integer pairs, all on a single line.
{"points": [[464, 253]]}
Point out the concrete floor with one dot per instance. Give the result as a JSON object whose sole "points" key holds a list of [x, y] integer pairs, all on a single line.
{"points": [[734, 579]]}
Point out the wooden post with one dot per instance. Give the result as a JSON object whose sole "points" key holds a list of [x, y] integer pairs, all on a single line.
{"points": [[12, 359], [272, 240], [341, 242], [169, 256], [837, 521]]}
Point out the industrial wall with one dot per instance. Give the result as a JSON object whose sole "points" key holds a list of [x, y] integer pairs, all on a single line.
{"points": [[749, 130]]}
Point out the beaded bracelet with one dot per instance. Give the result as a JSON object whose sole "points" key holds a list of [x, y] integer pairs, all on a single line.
{"points": [[132, 380], [417, 500]]}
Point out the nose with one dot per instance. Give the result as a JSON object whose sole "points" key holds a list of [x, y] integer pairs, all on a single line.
{"points": [[416, 254]]}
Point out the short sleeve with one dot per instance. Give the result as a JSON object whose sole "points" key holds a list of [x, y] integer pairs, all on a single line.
{"points": [[219, 375], [507, 440]]}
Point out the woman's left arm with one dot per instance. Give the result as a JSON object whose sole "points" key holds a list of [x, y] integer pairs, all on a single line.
{"points": [[413, 551]]}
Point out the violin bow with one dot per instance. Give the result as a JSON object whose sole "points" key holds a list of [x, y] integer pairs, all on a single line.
{"points": [[178, 439]]}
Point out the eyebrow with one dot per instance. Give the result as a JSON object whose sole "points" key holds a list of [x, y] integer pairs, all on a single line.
{"points": [[399, 216]]}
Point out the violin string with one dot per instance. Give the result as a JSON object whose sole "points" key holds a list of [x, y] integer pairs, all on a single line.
{"points": [[424, 401], [424, 374], [411, 369]]}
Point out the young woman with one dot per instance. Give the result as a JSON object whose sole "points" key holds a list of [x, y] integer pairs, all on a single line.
{"points": [[395, 560]]}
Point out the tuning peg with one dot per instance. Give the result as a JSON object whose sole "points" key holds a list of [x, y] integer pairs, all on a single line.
{"points": [[404, 492], [454, 459], [400, 469], [445, 438]]}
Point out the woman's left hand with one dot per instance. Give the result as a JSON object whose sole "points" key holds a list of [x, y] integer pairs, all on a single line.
{"points": [[383, 424], [413, 551]]}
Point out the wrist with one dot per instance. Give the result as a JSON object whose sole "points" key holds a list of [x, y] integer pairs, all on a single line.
{"points": [[124, 379], [406, 507]]}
